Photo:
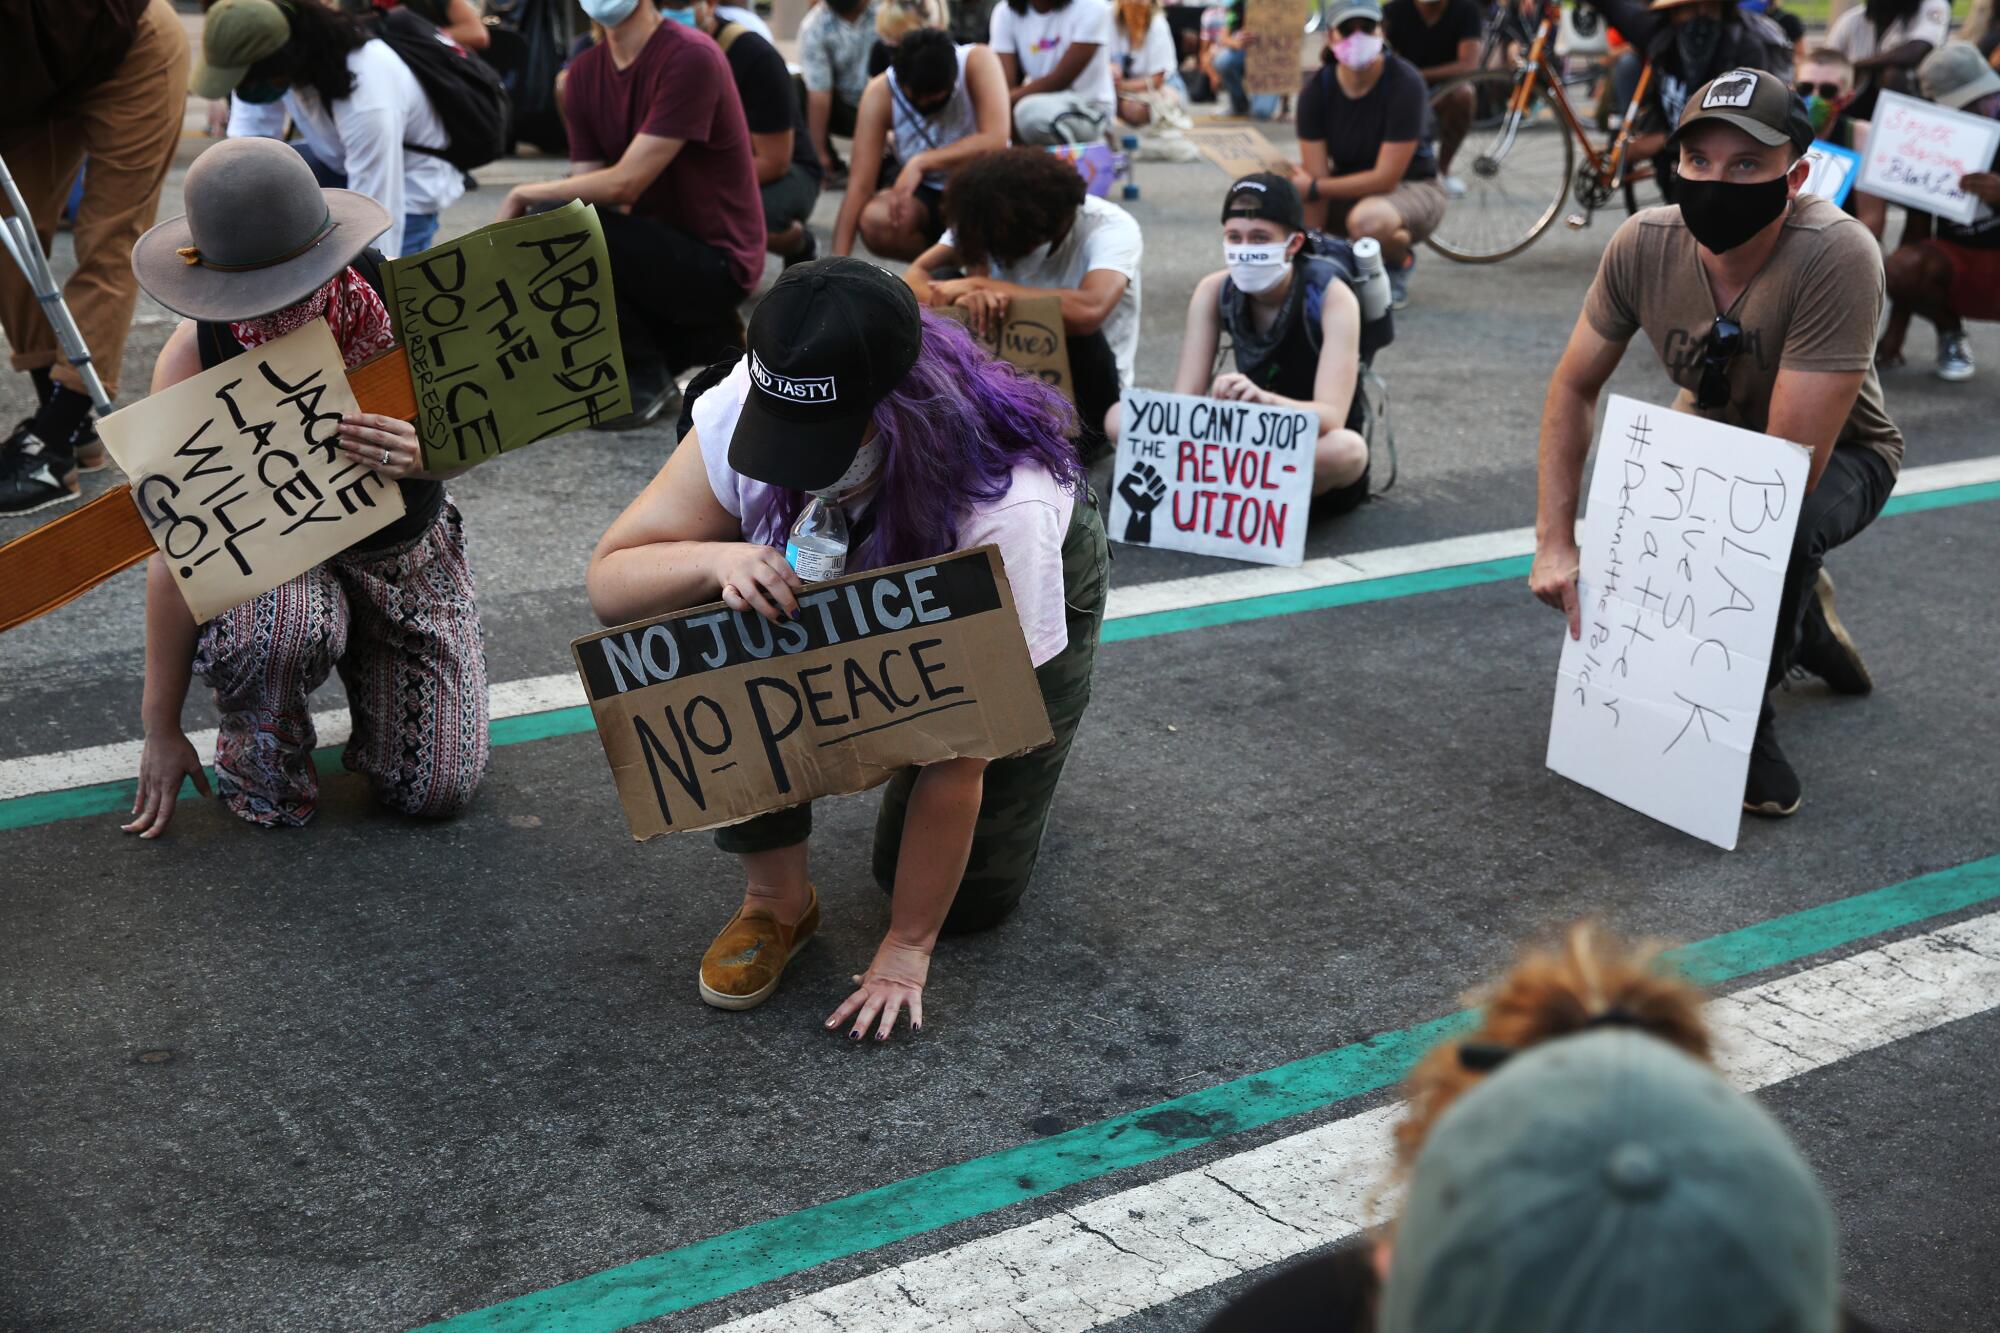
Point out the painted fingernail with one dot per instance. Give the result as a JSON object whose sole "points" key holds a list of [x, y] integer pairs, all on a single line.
{"points": [[881, 1036], [856, 1034]]}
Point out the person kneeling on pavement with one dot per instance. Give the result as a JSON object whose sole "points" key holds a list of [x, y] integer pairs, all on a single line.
{"points": [[394, 613], [788, 169], [1296, 328], [1955, 275], [929, 447], [1778, 337], [1022, 225], [658, 141]]}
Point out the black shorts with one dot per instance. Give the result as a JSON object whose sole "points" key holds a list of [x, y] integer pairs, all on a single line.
{"points": [[932, 199]]}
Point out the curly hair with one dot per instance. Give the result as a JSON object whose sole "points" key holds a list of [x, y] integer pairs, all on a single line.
{"points": [[1003, 205], [316, 55], [1591, 979]]}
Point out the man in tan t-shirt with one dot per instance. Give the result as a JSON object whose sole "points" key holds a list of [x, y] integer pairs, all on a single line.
{"points": [[1761, 303]]}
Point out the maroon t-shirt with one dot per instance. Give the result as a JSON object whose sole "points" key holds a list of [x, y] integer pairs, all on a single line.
{"points": [[679, 88]]}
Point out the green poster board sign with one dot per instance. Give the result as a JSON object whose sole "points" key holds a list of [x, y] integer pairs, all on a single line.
{"points": [[511, 334]]}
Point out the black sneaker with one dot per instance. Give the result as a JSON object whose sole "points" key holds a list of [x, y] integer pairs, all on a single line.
{"points": [[1825, 649], [654, 395], [1772, 788], [34, 476], [806, 253]]}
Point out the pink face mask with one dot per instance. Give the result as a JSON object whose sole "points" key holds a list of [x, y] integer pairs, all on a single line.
{"points": [[1358, 50]]}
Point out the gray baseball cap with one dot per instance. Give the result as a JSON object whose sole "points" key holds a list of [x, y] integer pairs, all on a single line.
{"points": [[1609, 1181], [1956, 75], [1339, 11]]}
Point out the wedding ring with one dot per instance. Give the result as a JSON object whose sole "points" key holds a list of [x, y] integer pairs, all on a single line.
{"points": [[385, 458]]}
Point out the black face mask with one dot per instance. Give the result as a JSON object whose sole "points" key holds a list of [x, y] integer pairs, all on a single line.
{"points": [[1696, 42], [1724, 214]]}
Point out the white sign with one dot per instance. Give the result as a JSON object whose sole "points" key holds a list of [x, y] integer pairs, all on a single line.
{"points": [[1832, 171], [1213, 477], [1918, 152], [1684, 551]]}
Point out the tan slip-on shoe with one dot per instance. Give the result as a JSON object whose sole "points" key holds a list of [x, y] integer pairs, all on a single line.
{"points": [[742, 967]]}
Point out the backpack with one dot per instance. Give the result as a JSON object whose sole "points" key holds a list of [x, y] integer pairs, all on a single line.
{"points": [[463, 89], [1332, 257]]}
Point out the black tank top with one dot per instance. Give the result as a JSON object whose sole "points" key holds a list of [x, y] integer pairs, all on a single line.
{"points": [[422, 499], [1285, 357]]}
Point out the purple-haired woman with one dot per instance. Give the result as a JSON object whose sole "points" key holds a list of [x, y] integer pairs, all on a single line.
{"points": [[929, 447]]}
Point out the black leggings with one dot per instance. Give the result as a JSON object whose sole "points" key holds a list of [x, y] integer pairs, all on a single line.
{"points": [[1093, 373], [676, 298]]}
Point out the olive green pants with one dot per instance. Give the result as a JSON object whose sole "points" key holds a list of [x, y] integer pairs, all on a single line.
{"points": [[1015, 800]]}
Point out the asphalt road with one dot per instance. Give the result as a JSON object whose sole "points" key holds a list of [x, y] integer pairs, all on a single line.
{"points": [[378, 1073]]}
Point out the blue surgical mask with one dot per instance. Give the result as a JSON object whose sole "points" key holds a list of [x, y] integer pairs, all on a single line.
{"points": [[610, 13], [684, 17]]}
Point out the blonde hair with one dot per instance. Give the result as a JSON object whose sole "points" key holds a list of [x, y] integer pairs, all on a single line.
{"points": [[1137, 16], [1591, 979], [897, 19]]}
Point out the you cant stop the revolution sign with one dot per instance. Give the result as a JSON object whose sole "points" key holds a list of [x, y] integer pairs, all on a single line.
{"points": [[710, 716], [1217, 478]]}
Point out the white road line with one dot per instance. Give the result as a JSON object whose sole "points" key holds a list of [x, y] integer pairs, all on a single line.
{"points": [[120, 759], [1096, 1262]]}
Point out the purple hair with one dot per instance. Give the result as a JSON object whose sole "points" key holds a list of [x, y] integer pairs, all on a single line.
{"points": [[954, 430]]}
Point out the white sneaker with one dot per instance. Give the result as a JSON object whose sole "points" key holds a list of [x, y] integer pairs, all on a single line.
{"points": [[1454, 188], [1954, 358]]}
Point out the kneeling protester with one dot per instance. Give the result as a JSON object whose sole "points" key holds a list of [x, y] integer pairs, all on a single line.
{"points": [[859, 431]]}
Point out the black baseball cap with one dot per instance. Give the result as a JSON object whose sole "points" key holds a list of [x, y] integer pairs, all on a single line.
{"points": [[829, 342], [1755, 101], [1266, 195]]}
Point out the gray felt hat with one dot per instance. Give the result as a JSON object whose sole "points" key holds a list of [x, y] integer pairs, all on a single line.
{"points": [[1609, 1181], [1956, 75], [258, 235]]}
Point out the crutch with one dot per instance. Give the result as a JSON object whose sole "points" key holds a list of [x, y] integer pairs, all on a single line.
{"points": [[17, 233]]}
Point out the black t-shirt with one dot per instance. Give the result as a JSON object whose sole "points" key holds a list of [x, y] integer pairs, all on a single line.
{"points": [[1429, 44], [1396, 110], [770, 102], [1980, 233]]}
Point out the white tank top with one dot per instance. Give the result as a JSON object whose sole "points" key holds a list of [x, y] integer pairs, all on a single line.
{"points": [[918, 133]]}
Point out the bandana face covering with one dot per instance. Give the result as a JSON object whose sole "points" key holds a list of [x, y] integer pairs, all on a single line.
{"points": [[1820, 111], [1255, 268], [867, 462], [1696, 41], [359, 320]]}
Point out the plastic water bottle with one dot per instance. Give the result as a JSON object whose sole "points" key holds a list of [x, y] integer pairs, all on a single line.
{"points": [[817, 548], [1372, 284]]}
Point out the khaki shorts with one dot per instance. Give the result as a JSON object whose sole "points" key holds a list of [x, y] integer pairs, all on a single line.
{"points": [[1420, 205]]}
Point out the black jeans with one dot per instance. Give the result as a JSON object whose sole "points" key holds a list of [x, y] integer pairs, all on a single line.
{"points": [[676, 298], [1851, 492], [1093, 374]]}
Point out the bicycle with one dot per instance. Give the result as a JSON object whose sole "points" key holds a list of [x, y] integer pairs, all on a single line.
{"points": [[1521, 149]]}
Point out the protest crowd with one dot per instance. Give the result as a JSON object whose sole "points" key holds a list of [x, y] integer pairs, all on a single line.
{"points": [[824, 406]]}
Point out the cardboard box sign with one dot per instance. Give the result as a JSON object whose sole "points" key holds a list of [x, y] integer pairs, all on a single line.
{"points": [[1240, 152], [1031, 340], [236, 472], [512, 335], [1684, 549], [1274, 45], [709, 716]]}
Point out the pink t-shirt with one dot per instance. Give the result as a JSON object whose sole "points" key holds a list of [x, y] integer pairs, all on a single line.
{"points": [[1027, 523]]}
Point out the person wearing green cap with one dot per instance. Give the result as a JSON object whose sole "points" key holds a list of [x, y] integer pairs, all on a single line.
{"points": [[362, 117]]}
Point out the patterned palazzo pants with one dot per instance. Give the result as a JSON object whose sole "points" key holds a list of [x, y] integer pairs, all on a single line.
{"points": [[402, 628]]}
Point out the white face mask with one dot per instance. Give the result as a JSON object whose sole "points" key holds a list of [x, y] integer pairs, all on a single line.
{"points": [[610, 13], [867, 462], [1256, 268]]}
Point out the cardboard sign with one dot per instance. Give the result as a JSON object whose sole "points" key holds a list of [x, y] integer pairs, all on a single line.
{"points": [[710, 717], [1273, 41], [236, 472], [1918, 152], [512, 335], [1833, 171], [1215, 478], [1031, 340], [1684, 551], [1240, 152]]}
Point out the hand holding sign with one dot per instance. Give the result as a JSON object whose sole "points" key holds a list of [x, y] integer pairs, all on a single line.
{"points": [[1921, 155]]}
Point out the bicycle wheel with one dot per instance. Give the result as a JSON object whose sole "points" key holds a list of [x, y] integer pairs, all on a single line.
{"points": [[1515, 173]]}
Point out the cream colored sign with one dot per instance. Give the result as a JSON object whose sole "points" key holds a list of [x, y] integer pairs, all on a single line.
{"points": [[237, 475]]}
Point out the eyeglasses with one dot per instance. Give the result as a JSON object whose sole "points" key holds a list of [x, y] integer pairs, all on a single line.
{"points": [[1830, 91], [1724, 341], [1352, 26]]}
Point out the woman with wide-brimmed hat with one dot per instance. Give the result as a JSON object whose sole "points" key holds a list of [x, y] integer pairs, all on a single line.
{"points": [[262, 251]]}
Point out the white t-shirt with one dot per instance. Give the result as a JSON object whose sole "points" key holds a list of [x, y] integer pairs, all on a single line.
{"points": [[1853, 35], [1028, 522], [363, 134], [1154, 56], [1037, 41], [1103, 236]]}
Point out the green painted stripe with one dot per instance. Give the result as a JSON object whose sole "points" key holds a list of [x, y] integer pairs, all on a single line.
{"points": [[766, 1251], [114, 797]]}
